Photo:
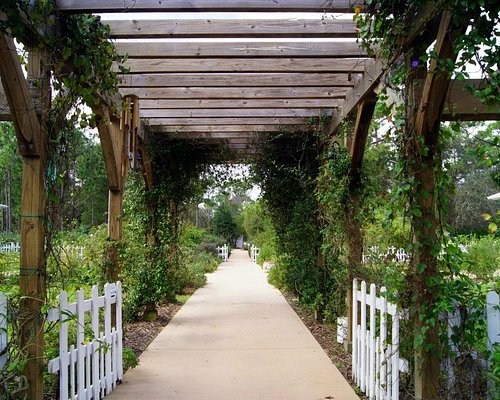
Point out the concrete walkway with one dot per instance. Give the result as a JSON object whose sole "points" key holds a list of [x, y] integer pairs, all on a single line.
{"points": [[235, 339]]}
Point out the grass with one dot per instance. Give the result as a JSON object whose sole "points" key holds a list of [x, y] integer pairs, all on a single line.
{"points": [[182, 298]]}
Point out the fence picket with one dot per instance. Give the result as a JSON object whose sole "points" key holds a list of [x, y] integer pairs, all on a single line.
{"points": [[363, 337], [3, 329], [88, 370], [395, 356], [107, 333], [373, 349], [354, 332], [80, 337], [63, 346]]}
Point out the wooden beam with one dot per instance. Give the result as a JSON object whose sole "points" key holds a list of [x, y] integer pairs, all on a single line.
{"points": [[237, 104], [21, 105], [228, 121], [110, 135], [292, 92], [361, 128], [151, 114], [141, 65], [461, 104], [175, 49], [243, 129], [232, 28], [4, 107], [373, 71], [247, 79], [210, 135], [100, 6]]}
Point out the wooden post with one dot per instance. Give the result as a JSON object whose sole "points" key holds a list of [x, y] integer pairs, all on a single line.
{"points": [[114, 233], [423, 153], [30, 132], [354, 235]]}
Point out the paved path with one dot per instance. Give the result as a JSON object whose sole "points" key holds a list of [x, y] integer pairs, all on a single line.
{"points": [[235, 339]]}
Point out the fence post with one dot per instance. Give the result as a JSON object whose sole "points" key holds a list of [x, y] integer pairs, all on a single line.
{"points": [[493, 326]]}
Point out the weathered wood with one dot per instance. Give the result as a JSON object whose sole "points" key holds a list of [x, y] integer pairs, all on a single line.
{"points": [[213, 135], [229, 79], [354, 235], [21, 105], [292, 92], [461, 104], [373, 71], [214, 128], [147, 168], [114, 233], [109, 135], [32, 273], [426, 132], [236, 104], [203, 5], [229, 121], [224, 113], [160, 49], [194, 28], [140, 65], [360, 134]]}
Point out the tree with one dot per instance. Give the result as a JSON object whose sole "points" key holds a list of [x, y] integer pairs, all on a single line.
{"points": [[223, 223]]}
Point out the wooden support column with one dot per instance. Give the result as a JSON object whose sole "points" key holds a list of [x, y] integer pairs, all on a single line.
{"points": [[354, 235], [424, 154], [115, 210], [30, 137]]}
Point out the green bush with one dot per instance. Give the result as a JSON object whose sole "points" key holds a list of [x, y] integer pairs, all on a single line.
{"points": [[482, 255]]}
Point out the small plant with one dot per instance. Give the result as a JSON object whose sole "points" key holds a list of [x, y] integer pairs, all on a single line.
{"points": [[130, 360]]}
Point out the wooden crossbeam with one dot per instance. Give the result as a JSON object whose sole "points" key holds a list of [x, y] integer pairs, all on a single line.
{"points": [[233, 28], [96, 6], [333, 49], [141, 65], [207, 129], [461, 104], [210, 135], [237, 79], [18, 99], [228, 121], [373, 71], [265, 92], [237, 103], [224, 113]]}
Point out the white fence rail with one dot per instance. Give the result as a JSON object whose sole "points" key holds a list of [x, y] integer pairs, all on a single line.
{"points": [[3, 330], [375, 344], [89, 368], [254, 252], [10, 247], [374, 253], [223, 252]]}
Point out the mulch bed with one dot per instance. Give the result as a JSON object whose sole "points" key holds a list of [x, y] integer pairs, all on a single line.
{"points": [[138, 335], [326, 335]]}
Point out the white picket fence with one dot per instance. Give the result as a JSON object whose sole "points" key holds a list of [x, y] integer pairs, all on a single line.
{"points": [[373, 254], [254, 252], [375, 354], [10, 247], [91, 367], [3, 330], [223, 252]]}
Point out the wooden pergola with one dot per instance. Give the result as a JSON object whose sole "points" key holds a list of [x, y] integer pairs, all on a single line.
{"points": [[227, 78]]}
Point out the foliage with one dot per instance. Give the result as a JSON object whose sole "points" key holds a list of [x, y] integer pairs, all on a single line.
{"points": [[223, 223], [130, 360], [286, 169]]}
